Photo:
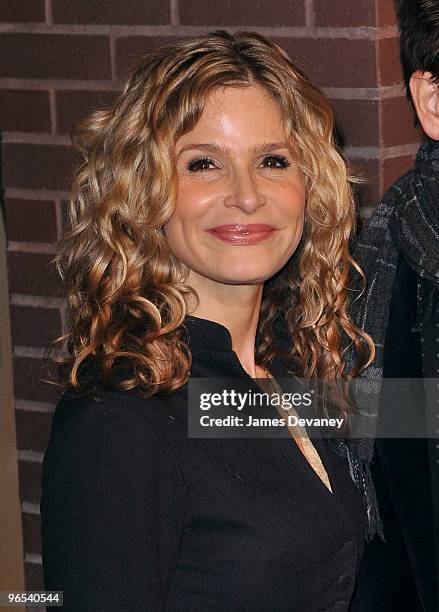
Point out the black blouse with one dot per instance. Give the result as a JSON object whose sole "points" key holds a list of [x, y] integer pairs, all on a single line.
{"points": [[138, 516]]}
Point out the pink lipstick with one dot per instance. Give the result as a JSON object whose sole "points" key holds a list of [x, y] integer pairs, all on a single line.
{"points": [[242, 234]]}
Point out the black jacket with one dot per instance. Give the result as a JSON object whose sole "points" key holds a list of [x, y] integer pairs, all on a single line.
{"points": [[138, 516], [401, 574]]}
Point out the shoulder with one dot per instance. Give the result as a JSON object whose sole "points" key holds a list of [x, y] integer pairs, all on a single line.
{"points": [[395, 196], [110, 419], [375, 233], [401, 189], [107, 406]]}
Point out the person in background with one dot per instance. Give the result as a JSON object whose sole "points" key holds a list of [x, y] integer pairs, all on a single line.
{"points": [[399, 253]]}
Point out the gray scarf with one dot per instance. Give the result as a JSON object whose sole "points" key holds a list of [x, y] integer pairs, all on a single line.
{"points": [[406, 223]]}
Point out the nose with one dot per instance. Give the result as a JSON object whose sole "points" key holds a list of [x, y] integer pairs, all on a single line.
{"points": [[244, 192]]}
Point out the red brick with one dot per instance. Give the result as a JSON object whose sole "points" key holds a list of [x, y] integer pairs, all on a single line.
{"points": [[398, 123], [330, 62], [33, 576], [389, 66], [244, 12], [129, 48], [357, 122], [129, 12], [344, 13], [30, 220], [60, 56], [34, 326], [33, 166], [368, 191], [29, 376], [25, 111], [74, 105], [334, 62], [31, 524], [33, 430], [11, 12], [394, 168], [29, 476], [386, 13], [33, 274]]}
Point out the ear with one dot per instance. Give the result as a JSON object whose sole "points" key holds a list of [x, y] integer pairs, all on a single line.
{"points": [[425, 96]]}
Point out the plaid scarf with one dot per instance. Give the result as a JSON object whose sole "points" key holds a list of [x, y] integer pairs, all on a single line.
{"points": [[406, 224]]}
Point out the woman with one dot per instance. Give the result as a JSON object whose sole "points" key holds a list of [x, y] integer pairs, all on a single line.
{"points": [[211, 210]]}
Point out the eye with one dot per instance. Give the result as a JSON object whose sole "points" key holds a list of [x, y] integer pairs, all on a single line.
{"points": [[200, 164], [275, 161]]}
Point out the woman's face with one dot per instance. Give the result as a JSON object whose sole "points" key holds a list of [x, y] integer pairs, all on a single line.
{"points": [[240, 202]]}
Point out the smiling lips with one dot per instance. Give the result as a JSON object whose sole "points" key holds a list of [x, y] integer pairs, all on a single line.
{"points": [[252, 233]]}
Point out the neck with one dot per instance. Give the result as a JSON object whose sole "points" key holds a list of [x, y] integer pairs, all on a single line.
{"points": [[237, 308]]}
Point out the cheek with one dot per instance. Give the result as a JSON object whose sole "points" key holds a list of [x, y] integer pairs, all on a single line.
{"points": [[193, 199], [185, 221], [292, 202], [185, 211], [293, 207]]}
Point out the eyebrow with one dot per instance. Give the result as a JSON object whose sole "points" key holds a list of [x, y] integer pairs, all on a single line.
{"points": [[213, 147]]}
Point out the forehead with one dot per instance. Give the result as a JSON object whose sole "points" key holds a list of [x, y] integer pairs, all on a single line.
{"points": [[252, 97], [236, 113]]}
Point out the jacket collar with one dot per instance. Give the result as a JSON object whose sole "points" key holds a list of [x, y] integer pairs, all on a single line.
{"points": [[207, 335], [427, 158]]}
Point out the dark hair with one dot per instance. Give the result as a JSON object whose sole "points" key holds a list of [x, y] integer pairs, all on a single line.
{"points": [[419, 42]]}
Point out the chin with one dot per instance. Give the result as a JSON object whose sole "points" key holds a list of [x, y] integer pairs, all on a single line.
{"points": [[243, 276]]}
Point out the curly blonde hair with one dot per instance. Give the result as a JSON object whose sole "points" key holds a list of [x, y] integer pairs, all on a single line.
{"points": [[127, 297]]}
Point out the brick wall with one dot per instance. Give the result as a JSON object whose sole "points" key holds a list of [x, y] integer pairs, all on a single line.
{"points": [[59, 59]]}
